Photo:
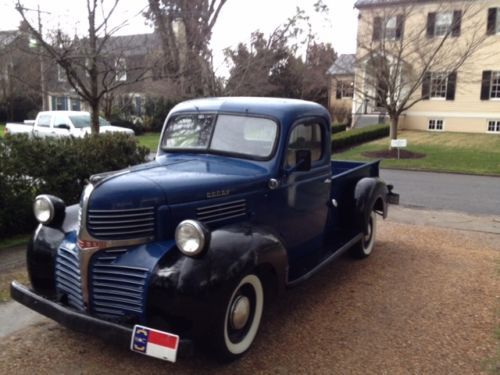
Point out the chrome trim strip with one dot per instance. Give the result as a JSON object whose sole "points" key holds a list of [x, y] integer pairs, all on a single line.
{"points": [[223, 204], [124, 210], [223, 218]]}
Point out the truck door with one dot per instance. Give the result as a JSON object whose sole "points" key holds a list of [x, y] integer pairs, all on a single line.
{"points": [[306, 194], [42, 125], [61, 126]]}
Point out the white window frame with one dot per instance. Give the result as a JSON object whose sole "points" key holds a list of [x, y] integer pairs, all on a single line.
{"points": [[444, 21], [436, 79], [390, 33], [121, 69], [497, 26], [348, 87], [434, 122], [61, 74], [496, 126], [495, 85]]}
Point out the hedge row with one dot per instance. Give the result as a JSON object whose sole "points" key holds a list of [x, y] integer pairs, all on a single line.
{"points": [[339, 128], [357, 136], [29, 167]]}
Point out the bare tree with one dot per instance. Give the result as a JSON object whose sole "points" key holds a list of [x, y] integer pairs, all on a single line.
{"points": [[289, 62], [95, 65], [185, 28], [403, 53]]}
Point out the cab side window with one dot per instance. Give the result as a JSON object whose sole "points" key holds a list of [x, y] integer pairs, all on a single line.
{"points": [[44, 121], [60, 120], [305, 137]]}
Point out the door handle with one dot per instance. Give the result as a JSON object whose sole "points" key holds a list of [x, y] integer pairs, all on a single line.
{"points": [[328, 181]]}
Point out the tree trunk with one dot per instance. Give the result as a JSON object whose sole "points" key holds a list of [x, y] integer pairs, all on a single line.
{"points": [[393, 134], [94, 116]]}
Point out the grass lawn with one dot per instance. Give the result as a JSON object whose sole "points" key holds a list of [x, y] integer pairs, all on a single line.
{"points": [[2, 127], [445, 152], [150, 140], [18, 240]]}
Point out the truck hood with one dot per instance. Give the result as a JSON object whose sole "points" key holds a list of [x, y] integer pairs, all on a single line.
{"points": [[178, 180]]}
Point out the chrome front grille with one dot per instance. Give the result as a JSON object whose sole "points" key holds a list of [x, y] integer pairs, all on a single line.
{"points": [[116, 290], [224, 211], [68, 277], [121, 224]]}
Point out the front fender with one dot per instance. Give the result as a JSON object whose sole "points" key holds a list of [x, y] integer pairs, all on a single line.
{"points": [[195, 289], [370, 194], [42, 249]]}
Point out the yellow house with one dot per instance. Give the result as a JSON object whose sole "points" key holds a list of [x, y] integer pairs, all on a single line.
{"points": [[341, 89], [458, 89]]}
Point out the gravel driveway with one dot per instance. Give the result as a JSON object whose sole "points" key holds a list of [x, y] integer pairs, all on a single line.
{"points": [[424, 303]]}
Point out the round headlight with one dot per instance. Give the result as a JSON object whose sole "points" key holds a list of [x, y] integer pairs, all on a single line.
{"points": [[43, 209], [191, 237]]}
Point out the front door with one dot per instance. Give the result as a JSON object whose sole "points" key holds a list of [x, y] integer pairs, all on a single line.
{"points": [[305, 196]]}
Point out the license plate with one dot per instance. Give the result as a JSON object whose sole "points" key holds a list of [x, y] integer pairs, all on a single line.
{"points": [[154, 343]]}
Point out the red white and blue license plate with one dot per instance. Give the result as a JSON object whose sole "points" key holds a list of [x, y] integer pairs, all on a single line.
{"points": [[158, 344]]}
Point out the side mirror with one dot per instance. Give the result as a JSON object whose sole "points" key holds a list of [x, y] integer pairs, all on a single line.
{"points": [[303, 160], [63, 126]]}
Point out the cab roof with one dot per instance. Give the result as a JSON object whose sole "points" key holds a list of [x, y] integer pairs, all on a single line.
{"points": [[284, 110]]}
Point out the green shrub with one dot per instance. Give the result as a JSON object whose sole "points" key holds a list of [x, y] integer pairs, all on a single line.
{"points": [[156, 111], [357, 136], [339, 128], [137, 127], [29, 167]]}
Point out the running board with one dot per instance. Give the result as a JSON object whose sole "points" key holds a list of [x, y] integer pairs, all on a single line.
{"points": [[327, 261]]}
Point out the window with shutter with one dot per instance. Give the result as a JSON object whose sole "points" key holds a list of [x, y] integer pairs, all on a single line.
{"points": [[493, 24], [439, 85], [485, 85], [495, 85], [431, 24], [443, 24], [377, 28]]}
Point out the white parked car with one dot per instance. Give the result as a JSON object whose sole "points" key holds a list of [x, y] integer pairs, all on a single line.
{"points": [[63, 124]]}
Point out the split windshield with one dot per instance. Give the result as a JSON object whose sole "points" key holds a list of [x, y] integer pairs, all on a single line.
{"points": [[239, 135], [83, 121]]}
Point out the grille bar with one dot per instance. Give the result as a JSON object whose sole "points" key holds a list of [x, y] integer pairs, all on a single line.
{"points": [[68, 276], [117, 290], [121, 224], [224, 211]]}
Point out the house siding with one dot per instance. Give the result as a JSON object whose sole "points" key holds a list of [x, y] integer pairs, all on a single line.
{"points": [[467, 112]]}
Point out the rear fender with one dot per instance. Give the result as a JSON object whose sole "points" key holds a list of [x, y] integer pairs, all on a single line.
{"points": [[370, 195]]}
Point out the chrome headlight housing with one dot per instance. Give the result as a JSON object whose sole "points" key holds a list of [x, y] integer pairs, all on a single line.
{"points": [[192, 237], [49, 210]]}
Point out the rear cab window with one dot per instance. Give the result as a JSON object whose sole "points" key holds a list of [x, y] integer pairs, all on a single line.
{"points": [[44, 121], [306, 136]]}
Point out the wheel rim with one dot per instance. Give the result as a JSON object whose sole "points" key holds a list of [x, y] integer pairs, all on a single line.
{"points": [[240, 312], [243, 314], [369, 237]]}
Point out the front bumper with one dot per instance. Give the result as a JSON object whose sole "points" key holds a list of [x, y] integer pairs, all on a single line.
{"points": [[111, 332]]}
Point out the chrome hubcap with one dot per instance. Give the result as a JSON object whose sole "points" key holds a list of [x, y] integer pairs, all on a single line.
{"points": [[240, 312], [369, 234]]}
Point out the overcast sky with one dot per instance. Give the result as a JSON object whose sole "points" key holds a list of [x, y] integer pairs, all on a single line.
{"points": [[237, 20]]}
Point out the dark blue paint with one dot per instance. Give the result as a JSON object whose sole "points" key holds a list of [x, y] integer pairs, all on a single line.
{"points": [[291, 229]]}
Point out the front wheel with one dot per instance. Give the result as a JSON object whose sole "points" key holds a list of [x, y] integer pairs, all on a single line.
{"points": [[241, 320], [365, 247]]}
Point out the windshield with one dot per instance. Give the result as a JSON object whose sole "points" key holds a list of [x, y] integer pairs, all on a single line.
{"points": [[241, 135], [83, 121]]}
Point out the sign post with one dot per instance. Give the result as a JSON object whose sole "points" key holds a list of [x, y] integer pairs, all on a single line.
{"points": [[399, 143]]}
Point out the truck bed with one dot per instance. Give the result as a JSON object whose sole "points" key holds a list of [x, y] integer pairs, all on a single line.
{"points": [[345, 176]]}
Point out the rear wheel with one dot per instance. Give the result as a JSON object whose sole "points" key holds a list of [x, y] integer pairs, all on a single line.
{"points": [[365, 247], [238, 328]]}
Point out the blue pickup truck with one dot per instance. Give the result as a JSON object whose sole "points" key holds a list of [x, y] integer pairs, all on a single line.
{"points": [[241, 201]]}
